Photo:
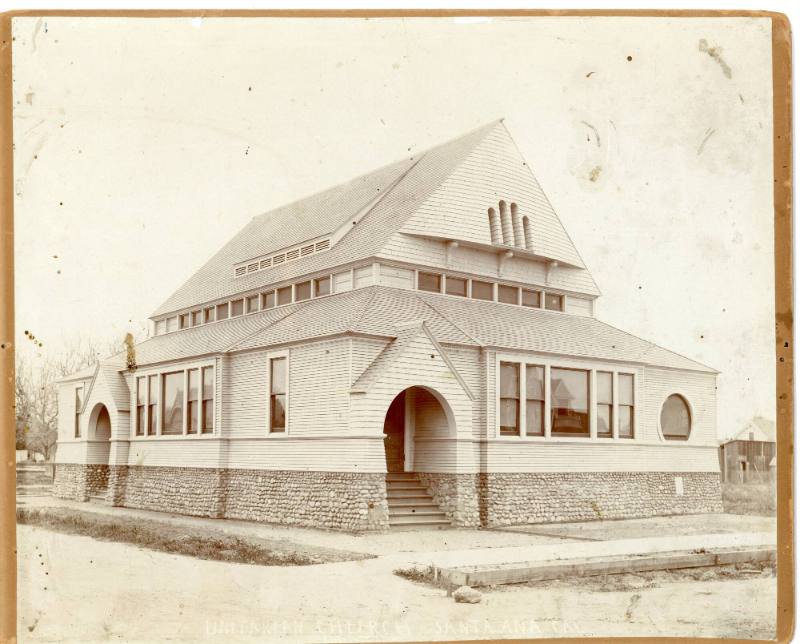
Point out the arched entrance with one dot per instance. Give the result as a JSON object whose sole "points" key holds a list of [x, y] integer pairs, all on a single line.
{"points": [[99, 451], [415, 415]]}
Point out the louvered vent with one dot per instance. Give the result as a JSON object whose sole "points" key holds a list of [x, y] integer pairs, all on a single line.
{"points": [[285, 256]]}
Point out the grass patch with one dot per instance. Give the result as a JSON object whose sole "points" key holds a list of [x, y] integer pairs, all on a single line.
{"points": [[749, 498], [166, 537]]}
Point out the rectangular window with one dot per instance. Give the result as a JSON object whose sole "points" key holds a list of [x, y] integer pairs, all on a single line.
{"points": [[222, 311], [534, 400], [284, 295], [625, 404], [268, 300], [605, 400], [532, 299], [78, 405], [141, 405], [208, 401], [482, 290], [509, 399], [252, 304], [193, 417], [277, 397], [208, 314], [429, 282], [302, 291], [507, 294], [456, 286], [569, 402], [554, 302], [172, 418], [152, 407], [197, 318], [237, 308], [322, 286], [183, 320]]}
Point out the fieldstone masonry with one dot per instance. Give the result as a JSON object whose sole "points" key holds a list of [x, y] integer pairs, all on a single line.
{"points": [[357, 501]]}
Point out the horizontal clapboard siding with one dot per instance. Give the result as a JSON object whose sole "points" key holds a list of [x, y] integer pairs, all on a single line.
{"points": [[699, 389], [177, 452], [363, 352], [577, 305], [469, 364], [524, 456], [335, 454], [71, 451]]}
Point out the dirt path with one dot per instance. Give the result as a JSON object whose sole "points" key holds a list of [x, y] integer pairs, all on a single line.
{"points": [[75, 588]]}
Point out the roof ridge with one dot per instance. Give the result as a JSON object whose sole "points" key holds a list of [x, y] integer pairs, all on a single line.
{"points": [[443, 315], [354, 324], [241, 339]]}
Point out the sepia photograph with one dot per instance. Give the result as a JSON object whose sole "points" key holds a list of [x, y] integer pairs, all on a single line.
{"points": [[396, 328]]}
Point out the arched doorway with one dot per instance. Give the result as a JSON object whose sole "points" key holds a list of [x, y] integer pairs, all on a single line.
{"points": [[415, 415], [99, 451]]}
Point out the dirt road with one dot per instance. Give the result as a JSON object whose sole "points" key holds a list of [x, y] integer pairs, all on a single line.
{"points": [[75, 588]]}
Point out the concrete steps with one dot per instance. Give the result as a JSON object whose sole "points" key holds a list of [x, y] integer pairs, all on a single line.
{"points": [[410, 504]]}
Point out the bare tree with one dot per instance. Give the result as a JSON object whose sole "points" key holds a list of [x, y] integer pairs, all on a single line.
{"points": [[36, 397]]}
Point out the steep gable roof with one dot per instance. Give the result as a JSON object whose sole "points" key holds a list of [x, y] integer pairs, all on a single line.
{"points": [[405, 185]]}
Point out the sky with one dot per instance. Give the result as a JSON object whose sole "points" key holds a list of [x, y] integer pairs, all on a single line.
{"points": [[143, 145]]}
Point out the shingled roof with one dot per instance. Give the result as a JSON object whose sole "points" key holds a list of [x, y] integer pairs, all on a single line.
{"points": [[380, 310], [382, 202]]}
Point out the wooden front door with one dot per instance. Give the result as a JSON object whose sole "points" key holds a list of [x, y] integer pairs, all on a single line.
{"points": [[394, 428]]}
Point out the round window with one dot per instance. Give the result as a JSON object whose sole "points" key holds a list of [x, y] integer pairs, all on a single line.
{"points": [[676, 418]]}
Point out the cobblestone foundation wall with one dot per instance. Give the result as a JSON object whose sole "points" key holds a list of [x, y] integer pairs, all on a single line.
{"points": [[184, 490], [512, 498], [456, 495], [336, 500], [78, 482]]}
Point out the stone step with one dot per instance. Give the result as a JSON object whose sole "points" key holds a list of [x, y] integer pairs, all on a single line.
{"points": [[407, 494], [415, 502], [401, 476], [418, 522], [405, 485], [434, 512], [98, 498]]}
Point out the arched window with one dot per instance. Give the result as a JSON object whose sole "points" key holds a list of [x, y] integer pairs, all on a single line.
{"points": [[526, 229], [505, 221], [676, 418], [517, 225], [494, 226]]}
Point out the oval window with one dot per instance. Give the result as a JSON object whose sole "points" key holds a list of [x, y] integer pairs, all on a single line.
{"points": [[676, 419]]}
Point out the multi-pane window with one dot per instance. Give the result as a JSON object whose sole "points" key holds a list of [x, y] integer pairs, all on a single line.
{"points": [[141, 405], [507, 294], [172, 416], [455, 286], [322, 286], [302, 291], [193, 398], [284, 295], [78, 405], [625, 405], [252, 303], [237, 308], [207, 415], [152, 406], [482, 290], [554, 302], [534, 400], [531, 298], [429, 282], [509, 398], [222, 311], [569, 402], [605, 405], [277, 396], [268, 300]]}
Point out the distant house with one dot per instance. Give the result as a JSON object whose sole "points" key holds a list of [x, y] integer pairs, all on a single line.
{"points": [[417, 346], [749, 457]]}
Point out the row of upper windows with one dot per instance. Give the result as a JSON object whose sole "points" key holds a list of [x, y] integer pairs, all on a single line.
{"points": [[489, 291], [479, 289], [526, 390]]}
